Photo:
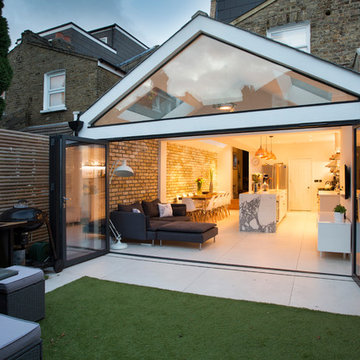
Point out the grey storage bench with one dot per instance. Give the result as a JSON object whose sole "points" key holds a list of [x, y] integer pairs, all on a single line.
{"points": [[187, 232], [20, 339], [23, 295]]}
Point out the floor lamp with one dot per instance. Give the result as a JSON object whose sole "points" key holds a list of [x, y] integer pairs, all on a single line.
{"points": [[120, 171]]}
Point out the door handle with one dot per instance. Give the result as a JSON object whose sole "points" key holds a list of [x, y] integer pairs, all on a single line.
{"points": [[66, 199]]}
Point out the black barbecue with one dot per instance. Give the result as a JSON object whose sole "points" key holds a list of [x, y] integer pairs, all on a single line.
{"points": [[34, 218]]}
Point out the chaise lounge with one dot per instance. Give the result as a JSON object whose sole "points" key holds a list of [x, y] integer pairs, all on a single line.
{"points": [[145, 222]]}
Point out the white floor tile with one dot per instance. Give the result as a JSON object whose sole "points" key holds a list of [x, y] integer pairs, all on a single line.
{"points": [[154, 274], [243, 285], [338, 296]]}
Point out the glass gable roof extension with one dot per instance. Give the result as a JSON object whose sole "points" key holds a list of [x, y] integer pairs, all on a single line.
{"points": [[211, 77]]}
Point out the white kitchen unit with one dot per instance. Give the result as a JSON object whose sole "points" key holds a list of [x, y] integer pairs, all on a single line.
{"points": [[328, 200], [262, 211], [333, 237], [281, 204]]}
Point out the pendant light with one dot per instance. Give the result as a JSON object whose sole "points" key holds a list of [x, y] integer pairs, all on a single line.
{"points": [[267, 155], [260, 151], [272, 155]]}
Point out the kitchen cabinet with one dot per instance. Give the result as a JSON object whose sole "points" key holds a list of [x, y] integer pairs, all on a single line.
{"points": [[333, 237]]}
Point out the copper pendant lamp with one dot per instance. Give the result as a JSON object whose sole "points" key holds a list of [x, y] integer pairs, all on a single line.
{"points": [[260, 153]]}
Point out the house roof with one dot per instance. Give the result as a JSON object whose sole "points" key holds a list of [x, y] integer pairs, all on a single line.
{"points": [[60, 45], [120, 29], [229, 10], [280, 54], [121, 46]]}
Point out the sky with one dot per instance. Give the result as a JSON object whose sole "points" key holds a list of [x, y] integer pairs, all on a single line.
{"points": [[150, 21]]}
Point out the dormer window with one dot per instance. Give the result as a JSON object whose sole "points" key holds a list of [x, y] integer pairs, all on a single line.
{"points": [[295, 35], [54, 91]]}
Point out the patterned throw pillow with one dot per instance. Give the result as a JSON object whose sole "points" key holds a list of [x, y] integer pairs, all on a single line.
{"points": [[165, 210]]}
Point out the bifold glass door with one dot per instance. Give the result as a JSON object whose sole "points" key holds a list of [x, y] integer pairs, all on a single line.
{"points": [[81, 199], [356, 238]]}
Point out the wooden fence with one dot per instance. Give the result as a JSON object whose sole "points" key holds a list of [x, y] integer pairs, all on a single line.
{"points": [[24, 172]]}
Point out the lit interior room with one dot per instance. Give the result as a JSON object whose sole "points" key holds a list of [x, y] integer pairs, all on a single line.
{"points": [[298, 181]]}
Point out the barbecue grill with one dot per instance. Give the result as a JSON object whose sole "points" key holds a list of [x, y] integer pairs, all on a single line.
{"points": [[32, 219]]}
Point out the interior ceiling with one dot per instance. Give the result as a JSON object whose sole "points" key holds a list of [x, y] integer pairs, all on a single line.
{"points": [[251, 142]]}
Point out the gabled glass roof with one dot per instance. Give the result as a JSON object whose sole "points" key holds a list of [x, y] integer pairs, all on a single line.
{"points": [[211, 77]]}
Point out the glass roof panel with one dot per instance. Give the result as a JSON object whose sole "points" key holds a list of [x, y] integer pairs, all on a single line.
{"points": [[211, 77]]}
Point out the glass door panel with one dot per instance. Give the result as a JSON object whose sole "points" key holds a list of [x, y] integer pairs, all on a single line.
{"points": [[357, 204], [84, 199]]}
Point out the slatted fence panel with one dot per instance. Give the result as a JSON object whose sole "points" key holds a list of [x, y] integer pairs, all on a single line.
{"points": [[24, 172]]}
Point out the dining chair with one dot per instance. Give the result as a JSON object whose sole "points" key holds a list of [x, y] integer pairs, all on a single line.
{"points": [[191, 209], [208, 211]]}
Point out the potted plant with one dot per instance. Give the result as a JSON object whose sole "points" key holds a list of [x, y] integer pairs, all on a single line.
{"points": [[339, 213], [199, 181], [256, 178]]}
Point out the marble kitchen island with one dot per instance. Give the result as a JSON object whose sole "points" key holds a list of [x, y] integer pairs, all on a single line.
{"points": [[261, 211]]}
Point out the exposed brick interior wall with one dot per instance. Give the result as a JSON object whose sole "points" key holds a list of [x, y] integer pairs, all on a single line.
{"points": [[212, 8], [85, 82], [142, 156], [184, 165], [334, 24]]}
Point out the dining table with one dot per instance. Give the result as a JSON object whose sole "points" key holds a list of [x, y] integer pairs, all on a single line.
{"points": [[203, 196]]}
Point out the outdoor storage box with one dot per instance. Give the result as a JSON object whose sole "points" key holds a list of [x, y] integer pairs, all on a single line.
{"points": [[23, 295], [20, 339]]}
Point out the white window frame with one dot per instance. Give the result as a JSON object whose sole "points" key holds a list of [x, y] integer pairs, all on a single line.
{"points": [[48, 91], [104, 39], [290, 27]]}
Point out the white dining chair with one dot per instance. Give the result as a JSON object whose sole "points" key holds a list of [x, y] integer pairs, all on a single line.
{"points": [[191, 209]]}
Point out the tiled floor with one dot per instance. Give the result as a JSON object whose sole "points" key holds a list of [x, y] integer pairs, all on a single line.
{"points": [[336, 294], [293, 247]]}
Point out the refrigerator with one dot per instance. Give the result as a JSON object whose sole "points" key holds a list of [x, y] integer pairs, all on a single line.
{"points": [[278, 175]]}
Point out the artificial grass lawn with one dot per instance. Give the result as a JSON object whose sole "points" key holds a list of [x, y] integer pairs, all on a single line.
{"points": [[97, 319]]}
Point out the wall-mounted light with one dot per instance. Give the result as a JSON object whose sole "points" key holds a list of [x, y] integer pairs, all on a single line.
{"points": [[120, 171]]}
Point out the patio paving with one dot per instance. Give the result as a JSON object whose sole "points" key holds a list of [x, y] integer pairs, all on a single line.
{"points": [[337, 294]]}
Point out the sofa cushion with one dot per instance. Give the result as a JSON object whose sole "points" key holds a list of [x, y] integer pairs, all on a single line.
{"points": [[129, 208], [187, 227], [151, 208], [17, 334], [179, 209], [165, 210], [154, 225]]}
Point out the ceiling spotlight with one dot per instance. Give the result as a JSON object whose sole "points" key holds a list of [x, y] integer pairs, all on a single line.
{"points": [[225, 107]]}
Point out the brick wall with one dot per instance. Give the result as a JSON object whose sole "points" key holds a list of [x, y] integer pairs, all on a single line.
{"points": [[184, 165], [85, 82], [334, 24], [142, 156]]}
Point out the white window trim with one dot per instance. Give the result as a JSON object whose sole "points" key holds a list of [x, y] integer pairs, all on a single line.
{"points": [[303, 25], [48, 92]]}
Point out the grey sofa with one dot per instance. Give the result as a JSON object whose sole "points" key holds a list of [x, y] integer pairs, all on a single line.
{"points": [[142, 222]]}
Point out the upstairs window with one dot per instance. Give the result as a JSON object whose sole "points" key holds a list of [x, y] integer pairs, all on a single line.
{"points": [[295, 35], [104, 39], [54, 91]]}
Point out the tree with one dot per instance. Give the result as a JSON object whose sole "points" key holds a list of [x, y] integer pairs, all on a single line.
{"points": [[5, 68]]}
